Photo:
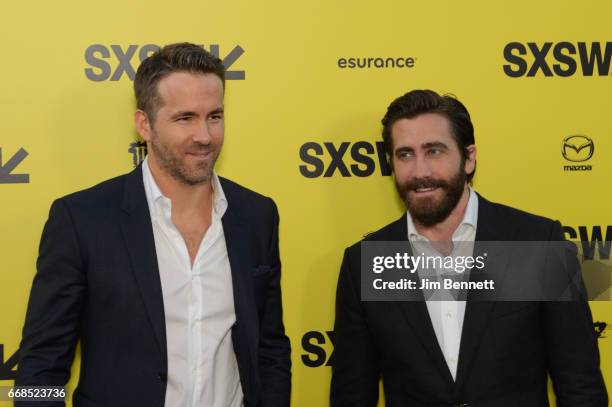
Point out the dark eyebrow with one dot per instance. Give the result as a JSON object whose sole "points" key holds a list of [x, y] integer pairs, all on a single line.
{"points": [[403, 150], [182, 113], [218, 110], [435, 144], [425, 146]]}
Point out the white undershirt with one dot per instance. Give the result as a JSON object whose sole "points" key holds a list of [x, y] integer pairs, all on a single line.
{"points": [[198, 306], [447, 316]]}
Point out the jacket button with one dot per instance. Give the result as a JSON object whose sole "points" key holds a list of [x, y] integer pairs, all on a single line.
{"points": [[161, 376]]}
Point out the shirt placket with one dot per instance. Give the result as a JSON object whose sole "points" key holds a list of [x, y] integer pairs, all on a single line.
{"points": [[196, 328], [198, 274], [193, 331]]}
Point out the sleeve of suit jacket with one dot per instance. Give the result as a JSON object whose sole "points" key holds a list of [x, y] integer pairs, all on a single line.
{"points": [[355, 369], [274, 346], [54, 309], [572, 351]]}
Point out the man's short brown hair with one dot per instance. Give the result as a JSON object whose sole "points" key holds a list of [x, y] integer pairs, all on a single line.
{"points": [[180, 57]]}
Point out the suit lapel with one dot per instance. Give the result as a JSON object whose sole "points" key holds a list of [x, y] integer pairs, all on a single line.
{"points": [[138, 235], [417, 316], [240, 253], [415, 312], [490, 228]]}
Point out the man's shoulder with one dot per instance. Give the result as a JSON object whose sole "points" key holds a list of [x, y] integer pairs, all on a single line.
{"points": [[512, 212], [394, 231], [105, 193], [513, 221], [237, 191], [245, 199]]}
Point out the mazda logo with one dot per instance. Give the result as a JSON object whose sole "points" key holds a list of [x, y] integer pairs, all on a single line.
{"points": [[577, 148]]}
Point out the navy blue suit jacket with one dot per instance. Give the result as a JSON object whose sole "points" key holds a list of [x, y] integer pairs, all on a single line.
{"points": [[507, 349], [97, 281]]}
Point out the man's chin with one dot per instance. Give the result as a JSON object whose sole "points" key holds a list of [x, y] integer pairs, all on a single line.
{"points": [[193, 177], [426, 216], [200, 179], [423, 210], [421, 203]]}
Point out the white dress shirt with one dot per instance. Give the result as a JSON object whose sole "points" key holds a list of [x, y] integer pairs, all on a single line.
{"points": [[198, 306], [447, 316]]}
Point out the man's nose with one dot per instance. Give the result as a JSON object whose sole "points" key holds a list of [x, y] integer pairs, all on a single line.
{"points": [[202, 133], [422, 167]]}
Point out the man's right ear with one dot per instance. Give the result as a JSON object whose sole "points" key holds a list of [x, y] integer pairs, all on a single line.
{"points": [[390, 163], [143, 125]]}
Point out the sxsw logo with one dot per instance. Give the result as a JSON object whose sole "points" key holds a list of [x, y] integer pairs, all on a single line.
{"points": [[8, 367], [345, 159], [594, 249], [7, 174], [316, 354], [577, 149], [318, 346], [557, 59], [114, 62], [592, 241]]}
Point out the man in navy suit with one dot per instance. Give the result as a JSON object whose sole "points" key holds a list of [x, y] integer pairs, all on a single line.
{"points": [[168, 276], [456, 353]]}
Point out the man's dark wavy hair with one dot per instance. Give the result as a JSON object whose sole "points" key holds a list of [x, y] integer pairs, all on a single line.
{"points": [[418, 102]]}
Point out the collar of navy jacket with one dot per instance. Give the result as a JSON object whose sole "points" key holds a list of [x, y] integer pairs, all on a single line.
{"points": [[491, 227], [138, 234]]}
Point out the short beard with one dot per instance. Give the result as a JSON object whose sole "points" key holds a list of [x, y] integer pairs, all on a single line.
{"points": [[425, 211], [172, 166]]}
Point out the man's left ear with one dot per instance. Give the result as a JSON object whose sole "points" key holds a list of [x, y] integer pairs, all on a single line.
{"points": [[470, 161], [142, 124]]}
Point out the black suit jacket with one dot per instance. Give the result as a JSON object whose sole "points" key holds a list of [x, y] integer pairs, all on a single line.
{"points": [[98, 282], [506, 351]]}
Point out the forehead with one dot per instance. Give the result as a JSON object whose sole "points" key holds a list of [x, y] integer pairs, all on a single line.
{"points": [[190, 88], [424, 128]]}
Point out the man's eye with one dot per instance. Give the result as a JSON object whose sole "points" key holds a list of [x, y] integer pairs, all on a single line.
{"points": [[183, 118], [216, 117], [434, 151], [404, 155]]}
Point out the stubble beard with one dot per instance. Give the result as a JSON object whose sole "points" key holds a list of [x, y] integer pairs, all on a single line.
{"points": [[172, 164]]}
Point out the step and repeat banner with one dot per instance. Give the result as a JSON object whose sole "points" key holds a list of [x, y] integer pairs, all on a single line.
{"points": [[307, 86]]}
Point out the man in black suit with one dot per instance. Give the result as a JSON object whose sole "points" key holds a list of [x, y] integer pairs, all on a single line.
{"points": [[455, 353], [168, 276]]}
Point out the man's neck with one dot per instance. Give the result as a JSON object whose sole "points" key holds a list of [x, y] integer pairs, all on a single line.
{"points": [[186, 199], [443, 231]]}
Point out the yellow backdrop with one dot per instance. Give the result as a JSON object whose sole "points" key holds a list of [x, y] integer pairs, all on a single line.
{"points": [[309, 81]]}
